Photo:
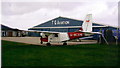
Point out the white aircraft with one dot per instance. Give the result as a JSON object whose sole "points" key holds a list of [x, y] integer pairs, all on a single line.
{"points": [[86, 30]]}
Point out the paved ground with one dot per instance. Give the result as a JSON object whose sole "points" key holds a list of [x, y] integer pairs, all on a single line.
{"points": [[36, 41]]}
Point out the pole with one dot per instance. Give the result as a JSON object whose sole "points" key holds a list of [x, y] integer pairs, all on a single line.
{"points": [[117, 36]]}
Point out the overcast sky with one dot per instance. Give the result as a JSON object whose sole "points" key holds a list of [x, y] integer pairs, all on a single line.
{"points": [[24, 15]]}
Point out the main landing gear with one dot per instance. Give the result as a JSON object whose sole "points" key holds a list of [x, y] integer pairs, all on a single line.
{"points": [[48, 44], [64, 43]]}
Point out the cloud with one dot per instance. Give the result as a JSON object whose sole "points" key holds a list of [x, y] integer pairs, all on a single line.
{"points": [[25, 15], [59, 0]]}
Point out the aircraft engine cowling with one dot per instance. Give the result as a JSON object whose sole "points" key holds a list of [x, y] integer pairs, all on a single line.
{"points": [[43, 35]]}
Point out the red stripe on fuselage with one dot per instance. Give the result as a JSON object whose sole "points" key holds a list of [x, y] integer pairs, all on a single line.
{"points": [[74, 35], [87, 20], [44, 39]]}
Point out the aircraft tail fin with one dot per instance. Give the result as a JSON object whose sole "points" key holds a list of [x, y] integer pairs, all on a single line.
{"points": [[87, 24]]}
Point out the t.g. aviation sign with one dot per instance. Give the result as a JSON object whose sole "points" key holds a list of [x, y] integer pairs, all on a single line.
{"points": [[57, 22]]}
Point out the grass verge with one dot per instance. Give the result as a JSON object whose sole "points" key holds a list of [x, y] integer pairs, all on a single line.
{"points": [[20, 54]]}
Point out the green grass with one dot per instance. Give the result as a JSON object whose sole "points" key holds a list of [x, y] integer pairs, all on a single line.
{"points": [[20, 54]]}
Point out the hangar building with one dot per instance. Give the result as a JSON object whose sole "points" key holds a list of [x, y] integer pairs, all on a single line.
{"points": [[63, 24], [11, 32]]}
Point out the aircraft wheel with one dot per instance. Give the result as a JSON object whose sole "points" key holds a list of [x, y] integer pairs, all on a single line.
{"points": [[64, 43], [48, 44]]}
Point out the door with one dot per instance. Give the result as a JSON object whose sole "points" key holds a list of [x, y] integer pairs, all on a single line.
{"points": [[10, 34]]}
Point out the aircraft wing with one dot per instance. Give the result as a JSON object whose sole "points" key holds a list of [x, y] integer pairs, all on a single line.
{"points": [[86, 37], [48, 32], [93, 32], [89, 32]]}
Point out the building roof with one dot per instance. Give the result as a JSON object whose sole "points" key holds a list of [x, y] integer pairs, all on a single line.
{"points": [[4, 27], [63, 22]]}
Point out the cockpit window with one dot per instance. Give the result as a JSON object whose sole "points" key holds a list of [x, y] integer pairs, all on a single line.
{"points": [[56, 35]]}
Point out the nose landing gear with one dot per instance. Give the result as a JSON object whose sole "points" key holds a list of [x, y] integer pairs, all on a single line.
{"points": [[64, 43]]}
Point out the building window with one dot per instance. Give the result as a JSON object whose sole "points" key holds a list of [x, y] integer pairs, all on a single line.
{"points": [[3, 33]]}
